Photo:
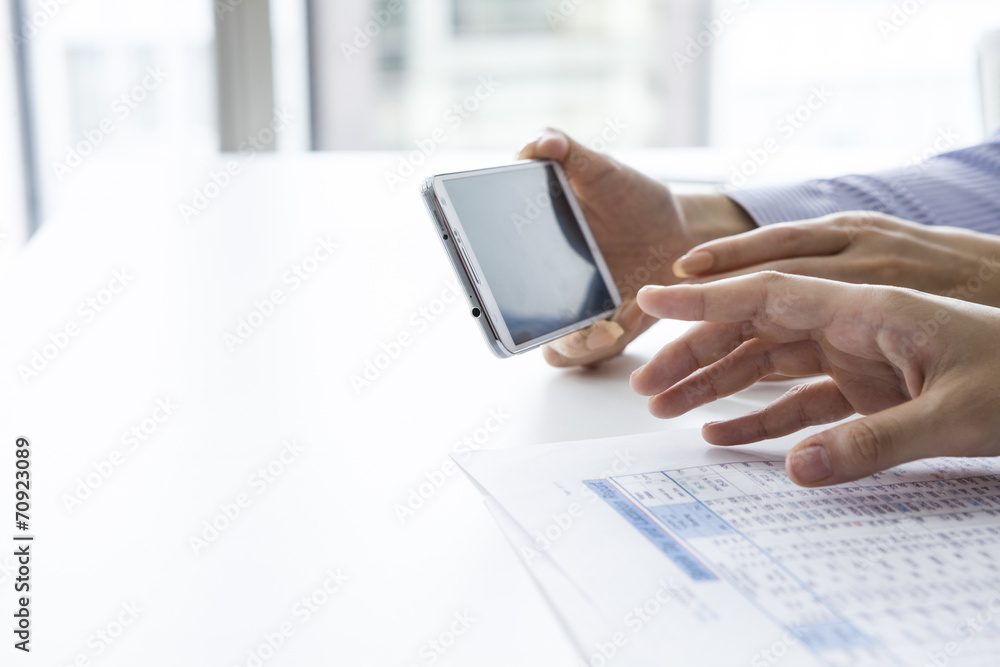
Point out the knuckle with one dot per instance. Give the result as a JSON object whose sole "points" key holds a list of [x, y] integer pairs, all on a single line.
{"points": [[748, 328], [771, 278], [895, 300], [764, 364], [866, 447], [786, 235]]}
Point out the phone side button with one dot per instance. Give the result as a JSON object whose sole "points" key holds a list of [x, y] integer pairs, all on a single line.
{"points": [[475, 276], [468, 265]]}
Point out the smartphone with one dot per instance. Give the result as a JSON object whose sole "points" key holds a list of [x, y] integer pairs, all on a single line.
{"points": [[521, 247]]}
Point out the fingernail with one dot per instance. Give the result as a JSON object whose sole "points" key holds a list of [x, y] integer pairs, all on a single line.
{"points": [[630, 315], [603, 335], [693, 264], [572, 346], [649, 289], [533, 140], [810, 464], [583, 343]]}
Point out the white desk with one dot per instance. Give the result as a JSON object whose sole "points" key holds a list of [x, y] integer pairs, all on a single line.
{"points": [[330, 507]]}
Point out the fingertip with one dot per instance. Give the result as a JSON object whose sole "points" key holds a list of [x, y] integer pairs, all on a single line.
{"points": [[667, 406], [646, 297], [711, 432], [552, 144], [554, 358], [694, 264], [636, 381], [528, 149], [809, 464], [603, 335], [548, 144], [573, 348]]}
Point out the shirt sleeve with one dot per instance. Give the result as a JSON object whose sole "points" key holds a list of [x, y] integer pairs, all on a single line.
{"points": [[959, 189]]}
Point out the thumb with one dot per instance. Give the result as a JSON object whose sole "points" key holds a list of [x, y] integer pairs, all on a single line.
{"points": [[576, 158], [862, 447], [601, 341]]}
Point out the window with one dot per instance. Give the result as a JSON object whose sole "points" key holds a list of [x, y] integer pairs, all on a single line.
{"points": [[895, 73], [675, 72], [497, 16], [581, 64], [110, 78]]}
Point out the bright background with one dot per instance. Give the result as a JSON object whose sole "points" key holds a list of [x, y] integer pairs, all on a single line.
{"points": [[899, 74]]}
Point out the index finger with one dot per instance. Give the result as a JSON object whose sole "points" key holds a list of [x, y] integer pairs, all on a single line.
{"points": [[791, 302], [767, 244]]}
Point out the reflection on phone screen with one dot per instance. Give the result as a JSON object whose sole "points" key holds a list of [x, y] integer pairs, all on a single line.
{"points": [[531, 250]]}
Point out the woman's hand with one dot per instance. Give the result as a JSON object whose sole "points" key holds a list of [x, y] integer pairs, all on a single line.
{"points": [[641, 229], [860, 247], [925, 369]]}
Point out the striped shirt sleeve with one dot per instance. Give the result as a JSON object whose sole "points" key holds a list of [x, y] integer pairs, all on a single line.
{"points": [[959, 189]]}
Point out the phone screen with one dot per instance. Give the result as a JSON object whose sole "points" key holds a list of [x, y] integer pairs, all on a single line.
{"points": [[531, 250]]}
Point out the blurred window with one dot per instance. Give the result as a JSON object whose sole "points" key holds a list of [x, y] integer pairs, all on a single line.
{"points": [[675, 72], [112, 77]]}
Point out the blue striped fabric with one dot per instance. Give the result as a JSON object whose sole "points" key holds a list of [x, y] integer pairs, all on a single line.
{"points": [[958, 189]]}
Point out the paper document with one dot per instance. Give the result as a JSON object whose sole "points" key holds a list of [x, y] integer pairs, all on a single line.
{"points": [[658, 549]]}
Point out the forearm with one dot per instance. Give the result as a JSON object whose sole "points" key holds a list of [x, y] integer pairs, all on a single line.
{"points": [[713, 216], [958, 189]]}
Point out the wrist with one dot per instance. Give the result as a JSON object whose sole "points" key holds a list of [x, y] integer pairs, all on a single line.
{"points": [[714, 216]]}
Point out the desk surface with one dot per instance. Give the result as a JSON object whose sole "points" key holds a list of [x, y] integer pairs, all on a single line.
{"points": [[209, 483]]}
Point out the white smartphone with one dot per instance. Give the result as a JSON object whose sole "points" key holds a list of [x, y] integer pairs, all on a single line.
{"points": [[522, 249]]}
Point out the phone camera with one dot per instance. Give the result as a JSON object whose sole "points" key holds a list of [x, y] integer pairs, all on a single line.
{"points": [[476, 312]]}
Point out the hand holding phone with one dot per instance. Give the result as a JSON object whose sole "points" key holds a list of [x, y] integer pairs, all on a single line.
{"points": [[522, 248]]}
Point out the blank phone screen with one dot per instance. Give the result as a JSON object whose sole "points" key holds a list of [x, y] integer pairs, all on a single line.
{"points": [[531, 250]]}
